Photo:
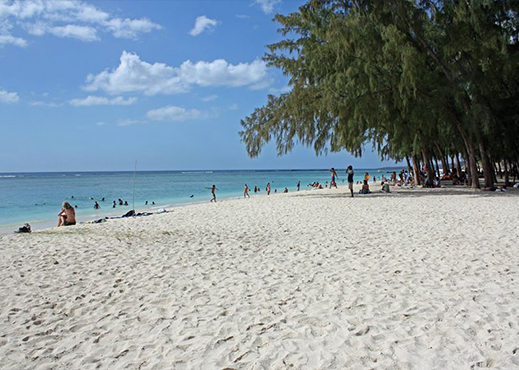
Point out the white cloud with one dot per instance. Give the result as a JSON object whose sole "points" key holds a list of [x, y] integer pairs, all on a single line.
{"points": [[210, 98], [233, 106], [8, 97], [242, 16], [44, 104], [83, 33], [267, 5], [130, 28], [9, 39], [203, 23], [128, 122], [100, 123], [135, 75], [66, 18], [172, 113], [100, 100], [281, 90]]}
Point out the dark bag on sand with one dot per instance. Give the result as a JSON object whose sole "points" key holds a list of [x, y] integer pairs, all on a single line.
{"points": [[24, 229], [130, 213]]}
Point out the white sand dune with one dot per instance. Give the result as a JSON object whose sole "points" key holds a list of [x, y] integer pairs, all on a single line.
{"points": [[315, 280]]}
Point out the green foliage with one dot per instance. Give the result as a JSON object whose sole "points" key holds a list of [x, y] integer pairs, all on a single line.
{"points": [[406, 76]]}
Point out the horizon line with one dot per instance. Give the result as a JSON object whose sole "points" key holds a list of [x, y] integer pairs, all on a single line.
{"points": [[201, 170]]}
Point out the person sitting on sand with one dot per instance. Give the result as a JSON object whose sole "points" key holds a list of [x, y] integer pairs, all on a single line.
{"points": [[385, 188], [365, 188], [286, 190], [67, 215]]}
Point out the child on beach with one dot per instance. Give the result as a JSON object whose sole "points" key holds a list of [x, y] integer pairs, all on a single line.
{"points": [[67, 215], [334, 175], [213, 192]]}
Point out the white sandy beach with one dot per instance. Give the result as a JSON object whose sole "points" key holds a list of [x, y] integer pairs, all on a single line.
{"points": [[415, 279]]}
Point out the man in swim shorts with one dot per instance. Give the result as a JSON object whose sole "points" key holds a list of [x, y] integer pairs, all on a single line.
{"points": [[350, 173]]}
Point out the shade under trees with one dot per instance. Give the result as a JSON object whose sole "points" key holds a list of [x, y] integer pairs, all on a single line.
{"points": [[422, 81]]}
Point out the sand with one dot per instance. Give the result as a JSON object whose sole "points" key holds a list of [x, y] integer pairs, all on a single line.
{"points": [[415, 279]]}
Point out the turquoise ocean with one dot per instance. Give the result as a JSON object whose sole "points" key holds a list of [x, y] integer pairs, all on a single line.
{"points": [[36, 198]]}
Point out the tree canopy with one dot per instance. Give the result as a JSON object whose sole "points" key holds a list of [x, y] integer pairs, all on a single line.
{"points": [[417, 79]]}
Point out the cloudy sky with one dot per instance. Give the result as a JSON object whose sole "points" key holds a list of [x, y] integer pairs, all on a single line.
{"points": [[96, 85]]}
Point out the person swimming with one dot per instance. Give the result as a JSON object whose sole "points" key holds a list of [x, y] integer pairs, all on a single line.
{"points": [[96, 205], [67, 215]]}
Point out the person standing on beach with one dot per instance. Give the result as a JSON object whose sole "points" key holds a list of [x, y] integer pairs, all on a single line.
{"points": [[268, 188], [246, 192], [213, 192], [350, 173], [298, 185], [334, 175]]}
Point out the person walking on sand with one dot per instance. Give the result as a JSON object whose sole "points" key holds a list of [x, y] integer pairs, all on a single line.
{"points": [[350, 173], [334, 175], [268, 188], [298, 185], [67, 215], [213, 192], [246, 192]]}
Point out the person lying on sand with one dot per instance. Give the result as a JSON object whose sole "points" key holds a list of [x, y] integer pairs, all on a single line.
{"points": [[67, 215]]}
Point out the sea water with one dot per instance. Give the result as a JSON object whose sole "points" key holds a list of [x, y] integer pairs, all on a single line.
{"points": [[36, 198]]}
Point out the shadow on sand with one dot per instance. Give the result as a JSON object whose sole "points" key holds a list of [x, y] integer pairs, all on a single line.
{"points": [[417, 192]]}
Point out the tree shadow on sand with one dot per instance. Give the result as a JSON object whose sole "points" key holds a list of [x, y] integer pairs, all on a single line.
{"points": [[418, 192]]}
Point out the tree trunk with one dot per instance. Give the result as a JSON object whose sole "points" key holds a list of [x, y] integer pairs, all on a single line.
{"points": [[409, 168], [471, 156], [485, 162], [437, 167], [453, 169], [428, 168], [507, 176], [416, 170], [445, 164], [458, 164], [499, 169]]}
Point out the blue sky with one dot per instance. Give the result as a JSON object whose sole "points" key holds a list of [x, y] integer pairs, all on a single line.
{"points": [[96, 85]]}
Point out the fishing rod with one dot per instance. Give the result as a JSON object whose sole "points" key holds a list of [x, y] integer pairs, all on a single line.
{"points": [[134, 176]]}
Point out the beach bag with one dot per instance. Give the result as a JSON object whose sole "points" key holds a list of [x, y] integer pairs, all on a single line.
{"points": [[24, 229]]}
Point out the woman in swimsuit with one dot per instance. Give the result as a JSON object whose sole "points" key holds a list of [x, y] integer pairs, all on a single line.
{"points": [[67, 215]]}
